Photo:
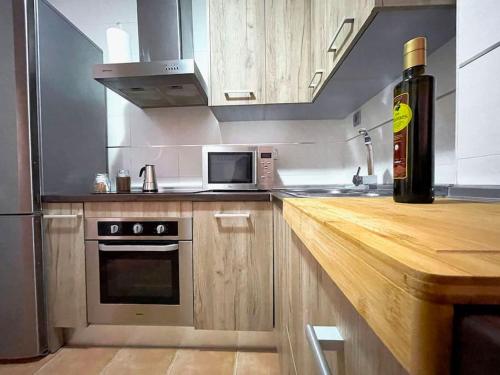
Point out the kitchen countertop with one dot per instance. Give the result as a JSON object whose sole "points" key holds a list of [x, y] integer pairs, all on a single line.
{"points": [[165, 195], [404, 267]]}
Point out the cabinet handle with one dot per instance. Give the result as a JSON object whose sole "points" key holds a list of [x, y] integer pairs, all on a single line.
{"points": [[63, 216], [323, 338], [239, 95], [313, 85], [220, 215], [346, 21]]}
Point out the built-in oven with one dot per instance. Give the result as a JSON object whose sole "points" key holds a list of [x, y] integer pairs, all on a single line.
{"points": [[237, 167], [139, 271]]}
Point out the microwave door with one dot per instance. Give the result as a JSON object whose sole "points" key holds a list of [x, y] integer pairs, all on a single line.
{"points": [[230, 170]]}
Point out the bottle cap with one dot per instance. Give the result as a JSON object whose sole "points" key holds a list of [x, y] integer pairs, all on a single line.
{"points": [[415, 52]]}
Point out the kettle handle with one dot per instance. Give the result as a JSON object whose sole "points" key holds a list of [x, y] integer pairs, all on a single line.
{"points": [[142, 171]]}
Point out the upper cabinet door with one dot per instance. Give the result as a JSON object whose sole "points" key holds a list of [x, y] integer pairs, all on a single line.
{"points": [[318, 45], [288, 51], [237, 57], [478, 27], [344, 20]]}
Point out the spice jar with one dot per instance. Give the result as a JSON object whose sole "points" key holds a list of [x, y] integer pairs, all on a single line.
{"points": [[123, 181], [102, 184]]}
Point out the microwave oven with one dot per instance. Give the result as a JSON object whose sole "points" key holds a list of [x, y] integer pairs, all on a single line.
{"points": [[238, 167]]}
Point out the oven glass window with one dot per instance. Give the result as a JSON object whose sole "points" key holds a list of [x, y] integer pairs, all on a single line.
{"points": [[139, 277], [230, 167]]}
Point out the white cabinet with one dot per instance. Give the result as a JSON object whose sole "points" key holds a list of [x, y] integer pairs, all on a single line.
{"points": [[478, 27], [477, 132]]}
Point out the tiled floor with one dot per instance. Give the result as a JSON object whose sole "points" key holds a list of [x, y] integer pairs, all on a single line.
{"points": [[147, 361]]}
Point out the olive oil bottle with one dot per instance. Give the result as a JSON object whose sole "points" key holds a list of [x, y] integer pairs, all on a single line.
{"points": [[414, 128]]}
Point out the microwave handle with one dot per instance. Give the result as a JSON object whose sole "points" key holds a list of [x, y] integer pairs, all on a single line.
{"points": [[172, 247]]}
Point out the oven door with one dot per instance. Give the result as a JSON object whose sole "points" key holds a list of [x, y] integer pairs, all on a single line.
{"points": [[230, 167], [139, 282]]}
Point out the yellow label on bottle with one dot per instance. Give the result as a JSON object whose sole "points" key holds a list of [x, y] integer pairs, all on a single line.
{"points": [[402, 115]]}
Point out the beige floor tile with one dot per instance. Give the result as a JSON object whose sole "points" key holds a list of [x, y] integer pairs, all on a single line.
{"points": [[194, 362], [249, 363], [25, 367], [78, 361], [140, 361]]}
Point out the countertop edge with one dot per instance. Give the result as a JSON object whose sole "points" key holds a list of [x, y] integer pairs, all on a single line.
{"points": [[420, 284], [159, 197]]}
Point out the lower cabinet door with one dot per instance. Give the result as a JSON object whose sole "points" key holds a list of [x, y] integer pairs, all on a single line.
{"points": [[64, 258], [233, 266]]}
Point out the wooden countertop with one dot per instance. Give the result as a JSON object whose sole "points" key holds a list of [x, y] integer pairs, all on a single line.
{"points": [[404, 267]]}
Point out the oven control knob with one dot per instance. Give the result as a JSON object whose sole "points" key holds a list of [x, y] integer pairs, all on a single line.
{"points": [[137, 228], [114, 229], [160, 229]]}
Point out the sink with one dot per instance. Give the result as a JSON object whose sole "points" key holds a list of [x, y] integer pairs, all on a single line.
{"points": [[337, 192]]}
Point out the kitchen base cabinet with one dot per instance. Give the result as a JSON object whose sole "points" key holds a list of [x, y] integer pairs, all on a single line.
{"points": [[233, 266], [64, 257], [305, 294]]}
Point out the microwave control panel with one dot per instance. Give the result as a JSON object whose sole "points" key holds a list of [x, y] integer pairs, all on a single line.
{"points": [[265, 167]]}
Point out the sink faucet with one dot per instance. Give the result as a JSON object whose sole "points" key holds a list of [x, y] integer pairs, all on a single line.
{"points": [[371, 179]]}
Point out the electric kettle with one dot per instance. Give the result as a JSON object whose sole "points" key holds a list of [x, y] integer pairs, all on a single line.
{"points": [[149, 185]]}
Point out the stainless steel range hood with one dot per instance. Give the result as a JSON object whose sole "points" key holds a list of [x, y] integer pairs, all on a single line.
{"points": [[167, 75]]}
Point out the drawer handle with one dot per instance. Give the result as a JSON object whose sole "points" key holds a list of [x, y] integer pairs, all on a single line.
{"points": [[239, 95], [313, 85], [323, 338], [63, 216], [346, 21], [220, 215]]}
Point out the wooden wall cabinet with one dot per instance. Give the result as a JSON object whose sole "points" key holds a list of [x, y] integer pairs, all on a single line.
{"points": [[64, 257], [288, 36], [233, 266], [237, 52]]}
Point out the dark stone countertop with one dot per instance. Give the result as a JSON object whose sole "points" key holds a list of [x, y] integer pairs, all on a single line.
{"points": [[200, 196]]}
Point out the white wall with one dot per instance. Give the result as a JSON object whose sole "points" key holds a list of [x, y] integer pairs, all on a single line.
{"points": [[478, 92], [310, 152]]}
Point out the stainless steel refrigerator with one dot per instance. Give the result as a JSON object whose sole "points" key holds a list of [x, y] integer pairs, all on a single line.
{"points": [[52, 140]]}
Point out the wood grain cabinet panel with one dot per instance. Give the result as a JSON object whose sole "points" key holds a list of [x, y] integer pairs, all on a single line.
{"points": [[237, 52], [305, 294], [139, 209], [318, 47], [288, 36], [64, 257], [345, 19], [233, 266]]}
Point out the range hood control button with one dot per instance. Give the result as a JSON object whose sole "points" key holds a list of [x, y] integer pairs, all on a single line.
{"points": [[137, 228]]}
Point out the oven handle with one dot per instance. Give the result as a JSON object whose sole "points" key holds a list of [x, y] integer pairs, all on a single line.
{"points": [[173, 247]]}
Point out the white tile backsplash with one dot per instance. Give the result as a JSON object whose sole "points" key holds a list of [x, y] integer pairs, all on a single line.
{"points": [[190, 161], [483, 170]]}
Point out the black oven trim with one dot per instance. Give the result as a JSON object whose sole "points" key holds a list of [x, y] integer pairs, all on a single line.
{"points": [[172, 256], [251, 167]]}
